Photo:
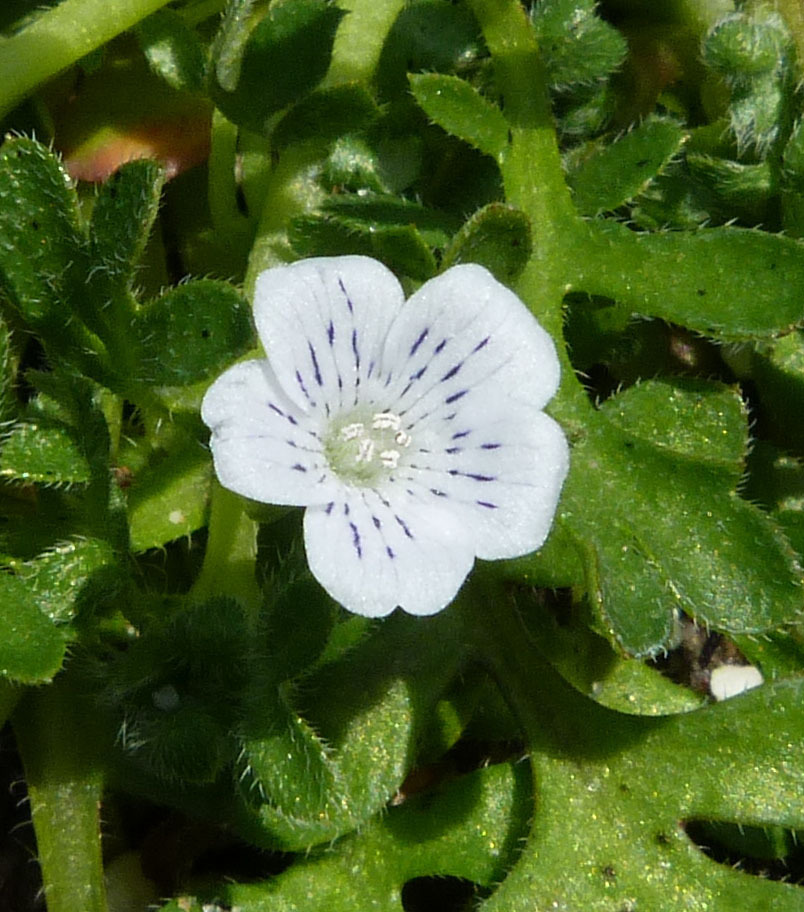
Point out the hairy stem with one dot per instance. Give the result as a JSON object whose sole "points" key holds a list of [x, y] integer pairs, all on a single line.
{"points": [[59, 37], [64, 788]]}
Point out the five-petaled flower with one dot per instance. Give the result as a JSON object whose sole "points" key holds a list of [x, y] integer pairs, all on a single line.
{"points": [[412, 431]]}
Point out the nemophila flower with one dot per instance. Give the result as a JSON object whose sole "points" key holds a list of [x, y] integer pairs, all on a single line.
{"points": [[412, 431]]}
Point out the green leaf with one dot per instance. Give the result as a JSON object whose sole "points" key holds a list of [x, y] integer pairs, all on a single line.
{"points": [[728, 283], [652, 503], [71, 576], [577, 45], [122, 219], [461, 110], [169, 498], [284, 57], [45, 452], [191, 332], [8, 396], [31, 646], [778, 370], [325, 114], [313, 775], [173, 50], [616, 173], [497, 237]]}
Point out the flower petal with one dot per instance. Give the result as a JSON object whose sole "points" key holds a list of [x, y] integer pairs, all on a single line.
{"points": [[263, 446], [373, 555], [459, 332], [322, 322], [498, 467]]}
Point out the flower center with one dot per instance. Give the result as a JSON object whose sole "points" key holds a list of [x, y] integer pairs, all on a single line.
{"points": [[363, 451]]}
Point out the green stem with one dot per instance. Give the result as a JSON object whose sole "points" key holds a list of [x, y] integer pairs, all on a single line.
{"points": [[534, 180], [64, 788], [360, 39], [60, 37], [230, 558]]}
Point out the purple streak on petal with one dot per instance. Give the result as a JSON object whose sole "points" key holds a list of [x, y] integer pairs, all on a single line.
{"points": [[293, 421], [490, 446], [328, 508], [452, 371], [481, 344], [372, 365], [450, 417], [486, 504], [461, 434], [276, 409], [331, 333], [455, 397], [418, 342], [346, 509], [474, 476], [346, 295], [453, 450], [355, 349], [389, 552], [303, 388], [299, 467], [440, 347], [356, 539], [377, 523], [316, 369], [437, 492], [404, 525]]}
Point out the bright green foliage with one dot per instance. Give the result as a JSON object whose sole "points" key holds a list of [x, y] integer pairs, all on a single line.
{"points": [[260, 68], [173, 50], [462, 111], [636, 177], [190, 332], [754, 55], [498, 237], [689, 542], [612, 175], [32, 647], [325, 114], [577, 46]]}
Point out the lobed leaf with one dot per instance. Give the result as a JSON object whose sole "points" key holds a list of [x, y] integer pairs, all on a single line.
{"points": [[190, 332], [614, 174], [461, 110], [661, 529], [497, 237], [259, 71], [31, 646], [727, 283]]}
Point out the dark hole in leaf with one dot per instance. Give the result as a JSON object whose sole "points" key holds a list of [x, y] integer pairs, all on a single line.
{"points": [[773, 853], [698, 652], [701, 292], [204, 333], [34, 224], [642, 162], [446, 894]]}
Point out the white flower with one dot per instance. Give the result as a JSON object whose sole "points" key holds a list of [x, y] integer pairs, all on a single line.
{"points": [[412, 431]]}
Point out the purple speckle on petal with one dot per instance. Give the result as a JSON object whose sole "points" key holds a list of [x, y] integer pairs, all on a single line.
{"points": [[377, 523], [481, 344], [453, 450], [299, 467], [302, 386], [389, 552], [404, 526], [331, 332], [437, 492], [355, 348], [440, 347], [486, 504], [328, 508], [455, 397], [490, 446], [461, 434], [276, 409]]}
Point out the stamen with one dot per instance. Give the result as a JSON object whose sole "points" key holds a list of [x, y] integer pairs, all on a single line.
{"points": [[365, 450], [352, 430], [390, 458], [402, 438], [384, 421]]}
